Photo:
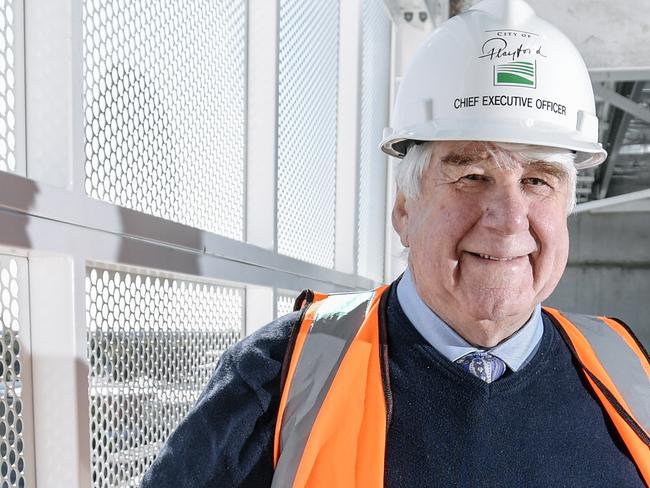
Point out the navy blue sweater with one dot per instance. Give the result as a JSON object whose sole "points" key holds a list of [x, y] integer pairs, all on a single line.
{"points": [[539, 427]]}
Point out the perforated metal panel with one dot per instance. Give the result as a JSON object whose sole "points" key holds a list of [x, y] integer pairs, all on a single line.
{"points": [[284, 302], [307, 111], [7, 88], [152, 346], [13, 418], [165, 108], [375, 76]]}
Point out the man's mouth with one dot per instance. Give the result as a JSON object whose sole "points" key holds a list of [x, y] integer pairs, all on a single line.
{"points": [[494, 258]]}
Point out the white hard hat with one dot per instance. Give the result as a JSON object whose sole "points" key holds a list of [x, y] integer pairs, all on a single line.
{"points": [[499, 73]]}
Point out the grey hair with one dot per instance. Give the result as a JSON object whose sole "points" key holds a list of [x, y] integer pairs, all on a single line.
{"points": [[409, 171]]}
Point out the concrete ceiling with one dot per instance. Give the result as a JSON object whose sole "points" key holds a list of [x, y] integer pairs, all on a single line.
{"points": [[609, 35]]}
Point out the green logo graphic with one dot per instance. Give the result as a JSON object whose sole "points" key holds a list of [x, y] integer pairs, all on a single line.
{"points": [[517, 73]]}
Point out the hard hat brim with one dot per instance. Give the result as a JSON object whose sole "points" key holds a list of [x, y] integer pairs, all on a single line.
{"points": [[588, 153]]}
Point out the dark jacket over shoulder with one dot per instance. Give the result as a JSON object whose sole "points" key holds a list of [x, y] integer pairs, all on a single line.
{"points": [[226, 440]]}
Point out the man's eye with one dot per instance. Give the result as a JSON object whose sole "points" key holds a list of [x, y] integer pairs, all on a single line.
{"points": [[473, 177], [534, 182]]}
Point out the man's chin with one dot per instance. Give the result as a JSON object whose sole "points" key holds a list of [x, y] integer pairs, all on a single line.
{"points": [[499, 306]]}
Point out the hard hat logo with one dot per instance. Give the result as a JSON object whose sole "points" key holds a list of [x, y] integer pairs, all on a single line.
{"points": [[499, 73], [517, 73]]}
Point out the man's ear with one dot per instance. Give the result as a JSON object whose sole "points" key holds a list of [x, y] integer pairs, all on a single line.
{"points": [[400, 218]]}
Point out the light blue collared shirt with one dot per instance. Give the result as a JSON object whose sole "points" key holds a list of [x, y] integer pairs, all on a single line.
{"points": [[515, 351]]}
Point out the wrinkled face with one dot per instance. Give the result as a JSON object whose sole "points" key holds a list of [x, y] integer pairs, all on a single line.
{"points": [[487, 241]]}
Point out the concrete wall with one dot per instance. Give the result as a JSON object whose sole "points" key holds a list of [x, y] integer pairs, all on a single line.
{"points": [[609, 269]]}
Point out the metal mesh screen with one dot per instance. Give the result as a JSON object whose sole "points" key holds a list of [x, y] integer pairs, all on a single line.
{"points": [[284, 303], [7, 88], [152, 346], [307, 112], [164, 92], [375, 76], [12, 408]]}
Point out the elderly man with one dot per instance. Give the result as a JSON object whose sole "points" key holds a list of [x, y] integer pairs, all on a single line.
{"points": [[454, 375]]}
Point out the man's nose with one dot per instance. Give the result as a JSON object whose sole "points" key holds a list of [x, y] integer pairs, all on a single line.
{"points": [[506, 210]]}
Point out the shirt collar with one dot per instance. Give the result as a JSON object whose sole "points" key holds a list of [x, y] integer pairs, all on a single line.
{"points": [[515, 351]]}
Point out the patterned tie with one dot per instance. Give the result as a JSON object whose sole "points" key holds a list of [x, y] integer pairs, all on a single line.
{"points": [[483, 365]]}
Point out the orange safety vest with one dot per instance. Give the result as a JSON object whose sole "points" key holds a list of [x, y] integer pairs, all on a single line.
{"points": [[334, 410]]}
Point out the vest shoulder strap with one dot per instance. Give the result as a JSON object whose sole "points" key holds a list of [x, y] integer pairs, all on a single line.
{"points": [[335, 356], [306, 298], [618, 369]]}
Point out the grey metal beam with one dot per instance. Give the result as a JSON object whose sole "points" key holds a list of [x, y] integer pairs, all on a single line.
{"points": [[619, 128], [620, 74], [624, 103], [616, 201], [187, 246]]}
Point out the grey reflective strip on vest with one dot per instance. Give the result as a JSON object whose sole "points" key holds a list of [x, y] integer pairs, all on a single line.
{"points": [[337, 321], [621, 363]]}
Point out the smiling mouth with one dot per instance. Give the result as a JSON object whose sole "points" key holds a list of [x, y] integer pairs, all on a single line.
{"points": [[494, 258]]}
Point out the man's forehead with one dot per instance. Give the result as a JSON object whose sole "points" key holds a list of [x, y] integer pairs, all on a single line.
{"points": [[462, 153]]}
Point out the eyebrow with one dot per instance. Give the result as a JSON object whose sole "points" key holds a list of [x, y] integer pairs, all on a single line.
{"points": [[554, 169], [456, 159]]}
